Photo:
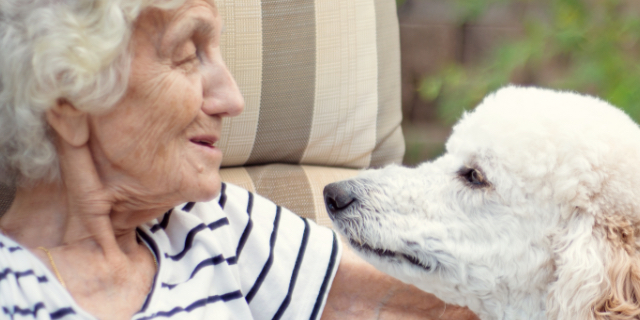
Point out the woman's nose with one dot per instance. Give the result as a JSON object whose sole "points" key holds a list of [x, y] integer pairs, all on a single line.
{"points": [[221, 94]]}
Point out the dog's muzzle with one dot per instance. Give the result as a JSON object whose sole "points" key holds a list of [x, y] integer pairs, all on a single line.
{"points": [[338, 196], [341, 202]]}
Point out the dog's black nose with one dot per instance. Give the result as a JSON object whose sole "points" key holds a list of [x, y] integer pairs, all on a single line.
{"points": [[337, 197]]}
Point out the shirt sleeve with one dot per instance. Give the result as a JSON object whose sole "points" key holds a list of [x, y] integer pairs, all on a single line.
{"points": [[285, 263]]}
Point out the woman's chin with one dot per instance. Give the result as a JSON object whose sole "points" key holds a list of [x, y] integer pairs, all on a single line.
{"points": [[207, 189]]}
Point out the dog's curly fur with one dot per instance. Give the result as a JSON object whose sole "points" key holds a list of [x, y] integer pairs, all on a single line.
{"points": [[532, 213]]}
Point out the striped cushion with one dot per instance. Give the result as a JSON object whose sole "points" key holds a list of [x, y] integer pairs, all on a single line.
{"points": [[296, 187], [321, 80]]}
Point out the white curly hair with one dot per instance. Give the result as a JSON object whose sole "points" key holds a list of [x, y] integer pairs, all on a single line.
{"points": [[58, 49], [532, 213]]}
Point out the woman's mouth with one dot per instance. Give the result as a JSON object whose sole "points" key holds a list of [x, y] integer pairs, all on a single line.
{"points": [[204, 141]]}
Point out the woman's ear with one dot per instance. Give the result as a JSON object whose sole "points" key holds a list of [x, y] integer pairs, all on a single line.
{"points": [[71, 124]]}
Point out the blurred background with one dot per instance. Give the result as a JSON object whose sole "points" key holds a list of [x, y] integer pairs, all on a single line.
{"points": [[454, 52]]}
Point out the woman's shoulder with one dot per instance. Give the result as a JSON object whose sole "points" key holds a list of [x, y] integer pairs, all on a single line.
{"points": [[28, 289], [256, 245], [196, 248]]}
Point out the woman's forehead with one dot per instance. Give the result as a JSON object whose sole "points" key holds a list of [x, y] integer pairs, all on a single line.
{"points": [[163, 26], [190, 8]]}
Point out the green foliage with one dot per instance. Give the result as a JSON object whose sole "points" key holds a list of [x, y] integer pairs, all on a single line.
{"points": [[588, 46]]}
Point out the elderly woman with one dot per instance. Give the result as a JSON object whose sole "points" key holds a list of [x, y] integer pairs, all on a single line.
{"points": [[109, 111]]}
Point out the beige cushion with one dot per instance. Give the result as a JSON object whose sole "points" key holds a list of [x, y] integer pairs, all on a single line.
{"points": [[297, 187], [321, 81]]}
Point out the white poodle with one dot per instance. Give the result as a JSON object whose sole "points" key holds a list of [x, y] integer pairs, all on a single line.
{"points": [[533, 212]]}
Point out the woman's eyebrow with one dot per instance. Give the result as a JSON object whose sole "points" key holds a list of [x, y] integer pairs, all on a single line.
{"points": [[184, 29], [204, 27]]}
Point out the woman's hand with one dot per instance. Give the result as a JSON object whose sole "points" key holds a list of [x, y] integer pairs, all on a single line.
{"points": [[361, 292]]}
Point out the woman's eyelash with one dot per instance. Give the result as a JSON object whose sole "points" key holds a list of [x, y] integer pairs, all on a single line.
{"points": [[188, 59], [195, 54]]}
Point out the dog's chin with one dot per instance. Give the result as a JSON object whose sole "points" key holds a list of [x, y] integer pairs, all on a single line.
{"points": [[390, 256], [381, 256]]}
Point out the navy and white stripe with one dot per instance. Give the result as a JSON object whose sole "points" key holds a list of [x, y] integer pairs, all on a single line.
{"points": [[239, 256]]}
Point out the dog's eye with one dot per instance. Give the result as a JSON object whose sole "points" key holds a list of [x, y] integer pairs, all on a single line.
{"points": [[473, 176]]}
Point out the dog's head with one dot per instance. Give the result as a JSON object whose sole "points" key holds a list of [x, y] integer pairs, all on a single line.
{"points": [[534, 210]]}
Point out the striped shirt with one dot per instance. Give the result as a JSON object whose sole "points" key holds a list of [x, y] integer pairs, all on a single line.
{"points": [[239, 256]]}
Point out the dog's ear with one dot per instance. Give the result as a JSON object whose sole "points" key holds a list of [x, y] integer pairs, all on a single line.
{"points": [[620, 299], [597, 268]]}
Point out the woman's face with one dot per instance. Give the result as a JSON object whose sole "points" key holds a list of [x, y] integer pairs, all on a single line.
{"points": [[155, 147]]}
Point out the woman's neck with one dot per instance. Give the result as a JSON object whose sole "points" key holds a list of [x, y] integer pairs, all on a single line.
{"points": [[40, 216], [36, 216], [106, 270]]}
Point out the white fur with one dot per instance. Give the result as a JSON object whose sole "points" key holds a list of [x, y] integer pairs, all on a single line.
{"points": [[530, 245]]}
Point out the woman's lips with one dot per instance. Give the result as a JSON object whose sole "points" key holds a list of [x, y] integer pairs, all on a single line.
{"points": [[205, 141]]}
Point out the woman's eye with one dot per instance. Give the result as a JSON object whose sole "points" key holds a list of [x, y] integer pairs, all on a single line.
{"points": [[191, 58], [187, 56]]}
